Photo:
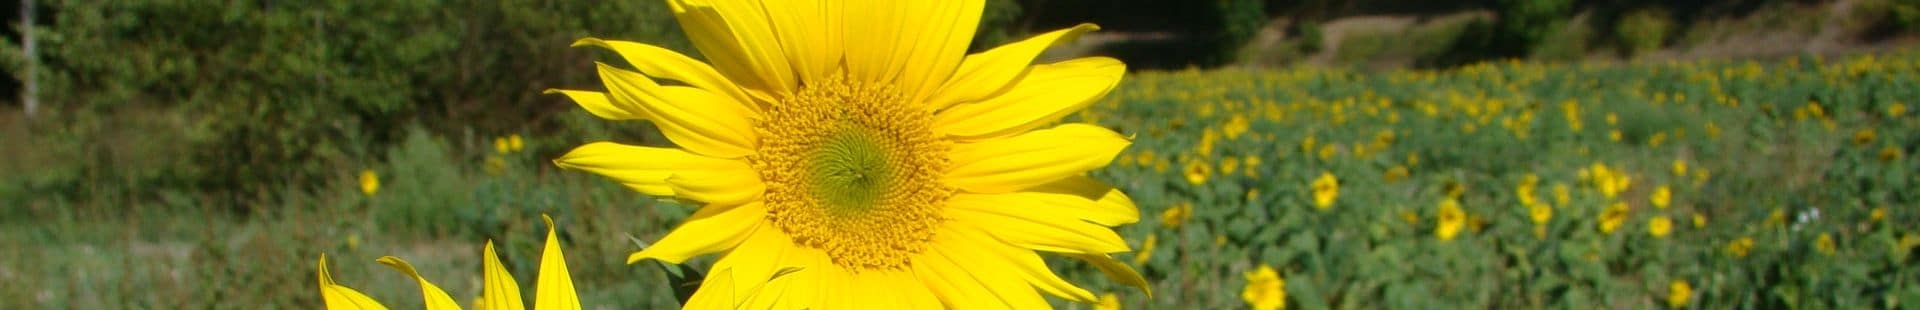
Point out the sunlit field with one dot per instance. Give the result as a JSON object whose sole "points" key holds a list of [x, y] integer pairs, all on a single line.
{"points": [[1710, 184]]}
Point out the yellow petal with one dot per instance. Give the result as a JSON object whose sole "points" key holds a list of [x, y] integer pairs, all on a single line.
{"points": [[959, 287], [1033, 228], [738, 186], [664, 63], [695, 119], [1023, 263], [553, 290], [435, 298], [338, 297], [736, 37], [717, 291], [598, 104], [500, 290], [810, 33], [990, 72], [1047, 93], [765, 254], [714, 228], [915, 45], [1116, 270], [1083, 197], [645, 169], [1031, 159]]}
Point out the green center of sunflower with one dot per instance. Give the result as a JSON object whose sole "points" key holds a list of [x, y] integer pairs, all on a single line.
{"points": [[852, 170]]}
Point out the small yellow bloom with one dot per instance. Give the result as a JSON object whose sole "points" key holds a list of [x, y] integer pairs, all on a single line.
{"points": [[1612, 217], [1450, 220], [1540, 213], [1890, 153], [1659, 226], [1327, 151], [1252, 162], [500, 145], [1146, 250], [1176, 215], [1896, 109], [1661, 197], [369, 182], [1699, 221], [1679, 168], [1678, 293], [1825, 244], [1562, 194], [1265, 289], [1863, 136], [1326, 189], [1740, 247], [1777, 217], [1229, 165], [1395, 174], [1197, 171], [515, 143], [1108, 301], [1878, 214]]}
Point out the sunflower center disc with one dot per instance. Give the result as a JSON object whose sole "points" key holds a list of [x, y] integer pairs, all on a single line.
{"points": [[853, 171]]}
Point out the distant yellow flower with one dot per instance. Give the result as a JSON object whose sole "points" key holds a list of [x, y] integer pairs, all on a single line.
{"points": [[369, 182], [1824, 244], [1146, 250], [1395, 174], [1699, 221], [1229, 165], [1657, 139], [1659, 226], [515, 143], [1740, 247], [1863, 136], [1326, 189], [1562, 194], [1613, 119], [1251, 162], [1108, 301], [500, 145], [1896, 110], [1678, 293], [1612, 217], [1265, 289], [1178, 214], [1890, 153], [1679, 168], [1327, 151], [1777, 217], [553, 289], [1878, 214], [1540, 213], [1661, 197], [1449, 220], [1197, 171]]}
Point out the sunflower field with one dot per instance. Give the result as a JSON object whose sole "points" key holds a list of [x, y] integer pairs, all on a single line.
{"points": [[1714, 184], [1700, 184]]}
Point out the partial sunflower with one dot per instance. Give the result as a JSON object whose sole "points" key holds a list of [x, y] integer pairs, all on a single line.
{"points": [[856, 140], [554, 289]]}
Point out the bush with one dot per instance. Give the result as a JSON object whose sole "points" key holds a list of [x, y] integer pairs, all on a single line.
{"points": [[1643, 30], [286, 92]]}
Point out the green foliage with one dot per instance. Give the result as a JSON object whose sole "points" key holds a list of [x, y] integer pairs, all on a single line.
{"points": [[1522, 24], [288, 92], [1905, 14], [1643, 30], [999, 24], [1239, 21]]}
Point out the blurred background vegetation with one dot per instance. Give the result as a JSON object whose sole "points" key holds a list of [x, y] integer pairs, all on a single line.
{"points": [[156, 116]]}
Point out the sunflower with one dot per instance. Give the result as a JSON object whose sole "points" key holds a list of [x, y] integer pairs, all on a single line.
{"points": [[858, 141]]}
